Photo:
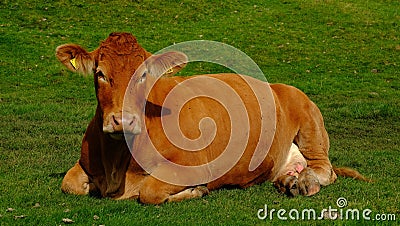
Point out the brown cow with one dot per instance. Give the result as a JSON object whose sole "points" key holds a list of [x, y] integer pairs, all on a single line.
{"points": [[106, 165]]}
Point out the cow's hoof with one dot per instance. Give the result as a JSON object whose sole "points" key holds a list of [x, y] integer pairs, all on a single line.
{"points": [[308, 182], [189, 193], [200, 191], [288, 185]]}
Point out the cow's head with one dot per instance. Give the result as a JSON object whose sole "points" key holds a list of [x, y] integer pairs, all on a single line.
{"points": [[145, 78], [113, 64]]}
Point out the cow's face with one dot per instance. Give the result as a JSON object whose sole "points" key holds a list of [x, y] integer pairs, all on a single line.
{"points": [[113, 65]]}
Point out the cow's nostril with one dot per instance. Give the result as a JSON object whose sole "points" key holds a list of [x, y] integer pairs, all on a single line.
{"points": [[116, 120]]}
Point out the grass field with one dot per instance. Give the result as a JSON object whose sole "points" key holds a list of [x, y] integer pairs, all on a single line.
{"points": [[344, 54]]}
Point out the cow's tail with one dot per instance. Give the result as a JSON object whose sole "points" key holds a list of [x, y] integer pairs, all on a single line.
{"points": [[348, 172]]}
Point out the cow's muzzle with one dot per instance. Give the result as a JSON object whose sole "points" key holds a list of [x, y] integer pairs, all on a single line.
{"points": [[118, 124]]}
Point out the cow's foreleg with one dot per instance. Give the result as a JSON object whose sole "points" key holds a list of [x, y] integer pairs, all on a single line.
{"points": [[76, 181], [154, 191], [189, 193], [132, 185]]}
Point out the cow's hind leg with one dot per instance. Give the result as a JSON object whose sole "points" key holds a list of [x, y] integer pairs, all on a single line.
{"points": [[289, 180], [76, 181], [306, 183], [313, 142], [287, 184]]}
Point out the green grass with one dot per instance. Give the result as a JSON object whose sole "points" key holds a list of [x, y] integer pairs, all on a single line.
{"points": [[344, 54]]}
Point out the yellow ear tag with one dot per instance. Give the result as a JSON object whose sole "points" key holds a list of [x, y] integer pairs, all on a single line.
{"points": [[73, 62], [170, 71]]}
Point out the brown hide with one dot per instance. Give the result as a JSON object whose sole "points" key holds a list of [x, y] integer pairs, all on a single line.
{"points": [[298, 120], [106, 165], [287, 130]]}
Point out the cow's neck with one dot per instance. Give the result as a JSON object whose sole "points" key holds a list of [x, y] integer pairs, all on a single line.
{"points": [[115, 157]]}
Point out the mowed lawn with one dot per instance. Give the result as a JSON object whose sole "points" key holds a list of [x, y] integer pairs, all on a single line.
{"points": [[345, 55]]}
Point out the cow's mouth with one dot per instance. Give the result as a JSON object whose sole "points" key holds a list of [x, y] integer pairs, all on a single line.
{"points": [[121, 135]]}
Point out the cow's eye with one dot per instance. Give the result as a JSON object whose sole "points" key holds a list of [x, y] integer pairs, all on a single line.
{"points": [[143, 77], [100, 76]]}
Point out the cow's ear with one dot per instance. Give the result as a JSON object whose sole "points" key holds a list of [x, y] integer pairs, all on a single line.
{"points": [[172, 71], [76, 58], [168, 63]]}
